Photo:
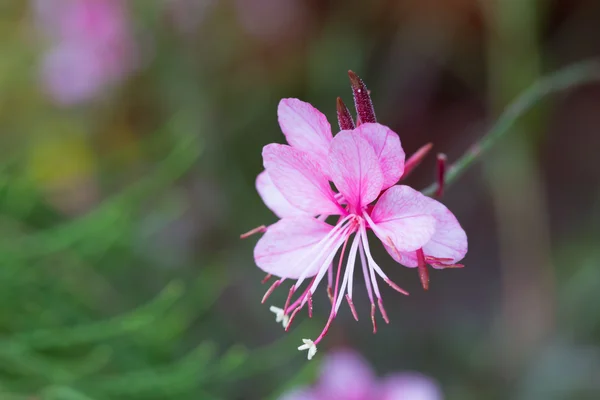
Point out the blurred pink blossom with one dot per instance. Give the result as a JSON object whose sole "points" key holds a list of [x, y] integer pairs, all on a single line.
{"points": [[91, 47], [345, 375]]}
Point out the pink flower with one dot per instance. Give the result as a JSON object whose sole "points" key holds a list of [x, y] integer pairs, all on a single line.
{"points": [[361, 163], [347, 376], [352, 177], [91, 47]]}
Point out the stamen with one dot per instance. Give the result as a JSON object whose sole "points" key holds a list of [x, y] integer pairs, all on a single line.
{"points": [[310, 346], [372, 262], [292, 317], [343, 115], [363, 262], [337, 278], [349, 269], [330, 294], [335, 304], [441, 174], [333, 250], [280, 316], [317, 279], [382, 310], [330, 282], [373, 318], [416, 159], [289, 298], [266, 279], [310, 306], [271, 289], [300, 298], [351, 304], [444, 266], [325, 244], [423, 271], [395, 287], [438, 259], [258, 229]]}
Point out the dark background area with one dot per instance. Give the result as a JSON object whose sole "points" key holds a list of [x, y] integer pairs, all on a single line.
{"points": [[122, 275]]}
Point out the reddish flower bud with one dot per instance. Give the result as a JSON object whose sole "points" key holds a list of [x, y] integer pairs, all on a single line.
{"points": [[362, 100], [343, 115], [416, 159]]}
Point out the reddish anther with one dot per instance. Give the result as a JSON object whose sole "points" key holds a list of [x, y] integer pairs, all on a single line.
{"points": [[343, 115], [416, 159], [396, 287], [437, 259], [373, 318], [362, 100], [382, 311], [444, 266], [292, 318], [271, 289], [423, 271], [352, 308], [330, 294], [441, 174], [258, 229], [266, 279], [289, 298]]}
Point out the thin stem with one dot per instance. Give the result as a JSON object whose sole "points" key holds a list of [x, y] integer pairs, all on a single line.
{"points": [[563, 79], [441, 174]]}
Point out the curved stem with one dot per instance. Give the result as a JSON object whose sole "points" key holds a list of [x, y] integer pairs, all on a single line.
{"points": [[563, 79]]}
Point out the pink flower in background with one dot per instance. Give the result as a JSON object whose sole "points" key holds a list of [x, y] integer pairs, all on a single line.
{"points": [[347, 376], [364, 164], [91, 47]]}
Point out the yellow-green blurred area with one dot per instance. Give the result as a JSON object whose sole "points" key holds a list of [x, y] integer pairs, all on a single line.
{"points": [[122, 275]]}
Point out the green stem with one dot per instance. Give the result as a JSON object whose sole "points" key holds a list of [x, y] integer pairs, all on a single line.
{"points": [[563, 79]]}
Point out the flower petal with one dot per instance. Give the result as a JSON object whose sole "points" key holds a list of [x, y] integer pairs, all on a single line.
{"points": [[449, 240], [300, 394], [355, 169], [402, 220], [388, 149], [305, 128], [299, 179], [345, 375], [285, 249], [411, 386], [273, 198]]}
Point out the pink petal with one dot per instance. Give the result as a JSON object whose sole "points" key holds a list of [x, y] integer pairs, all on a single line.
{"points": [[285, 249], [355, 169], [299, 179], [401, 219], [300, 394], [73, 73], [409, 386], [388, 149], [273, 198], [449, 240], [306, 129], [345, 375]]}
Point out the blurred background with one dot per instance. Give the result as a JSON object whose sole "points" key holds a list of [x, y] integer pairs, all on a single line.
{"points": [[130, 139]]}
